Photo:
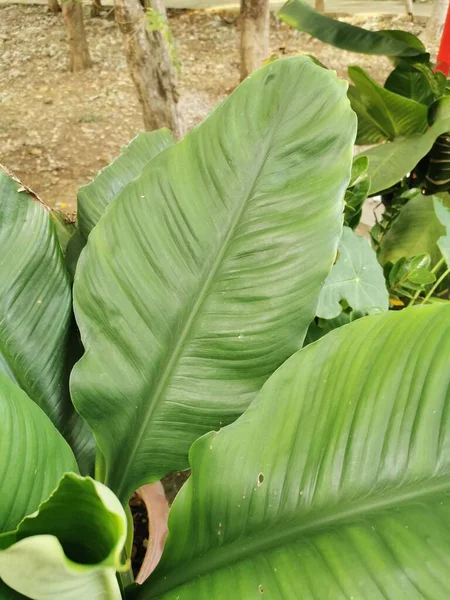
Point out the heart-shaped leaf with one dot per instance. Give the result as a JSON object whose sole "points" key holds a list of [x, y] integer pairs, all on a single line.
{"points": [[356, 279]]}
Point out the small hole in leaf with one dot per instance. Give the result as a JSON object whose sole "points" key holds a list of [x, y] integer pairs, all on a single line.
{"points": [[261, 589], [260, 479]]}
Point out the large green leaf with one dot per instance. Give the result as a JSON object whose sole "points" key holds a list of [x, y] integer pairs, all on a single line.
{"points": [[71, 547], [93, 198], [334, 484], [389, 163], [443, 214], [203, 276], [415, 231], [356, 279], [36, 310], [33, 454], [302, 16], [415, 81], [369, 130], [395, 114]]}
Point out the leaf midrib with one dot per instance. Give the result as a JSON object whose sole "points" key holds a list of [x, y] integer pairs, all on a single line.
{"points": [[205, 282], [278, 536]]}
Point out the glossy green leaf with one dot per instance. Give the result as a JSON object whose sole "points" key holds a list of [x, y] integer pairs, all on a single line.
{"points": [[33, 454], [443, 214], [356, 279], [408, 275], [93, 198], [203, 276], [335, 483], [395, 114], [415, 231], [415, 81], [36, 310], [302, 16], [71, 547], [390, 162]]}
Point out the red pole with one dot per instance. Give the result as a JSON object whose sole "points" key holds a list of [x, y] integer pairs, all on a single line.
{"points": [[443, 57]]}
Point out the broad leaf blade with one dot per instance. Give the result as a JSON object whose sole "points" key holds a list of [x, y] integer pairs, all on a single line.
{"points": [[443, 214], [93, 198], [415, 231], [396, 115], [369, 129], [71, 547], [389, 163], [356, 279], [203, 277], [33, 454], [36, 310], [339, 489], [415, 83], [302, 16]]}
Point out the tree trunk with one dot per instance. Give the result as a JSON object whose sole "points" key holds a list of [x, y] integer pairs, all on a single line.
{"points": [[150, 63], [409, 9], [254, 35], [433, 30], [320, 6], [96, 8], [53, 6], [78, 48]]}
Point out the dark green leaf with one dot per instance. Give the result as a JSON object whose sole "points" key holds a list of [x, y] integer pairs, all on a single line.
{"points": [[395, 114], [36, 311], [369, 129], [34, 456], [302, 16]]}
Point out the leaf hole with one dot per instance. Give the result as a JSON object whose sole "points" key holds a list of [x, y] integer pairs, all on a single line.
{"points": [[260, 479], [261, 589]]}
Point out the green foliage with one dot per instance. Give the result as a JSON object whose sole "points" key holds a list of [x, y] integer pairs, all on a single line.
{"points": [[334, 483], [357, 192], [220, 248], [355, 281], [36, 311], [72, 544], [207, 264], [415, 230], [394, 115], [409, 275], [300, 15], [443, 214]]}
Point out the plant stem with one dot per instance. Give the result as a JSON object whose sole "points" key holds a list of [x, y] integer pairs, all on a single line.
{"points": [[125, 578], [438, 282], [436, 267]]}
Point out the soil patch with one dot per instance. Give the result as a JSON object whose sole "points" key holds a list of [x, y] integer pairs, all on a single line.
{"points": [[58, 129]]}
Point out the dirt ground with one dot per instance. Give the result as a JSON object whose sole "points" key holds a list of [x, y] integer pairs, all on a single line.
{"points": [[57, 129]]}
